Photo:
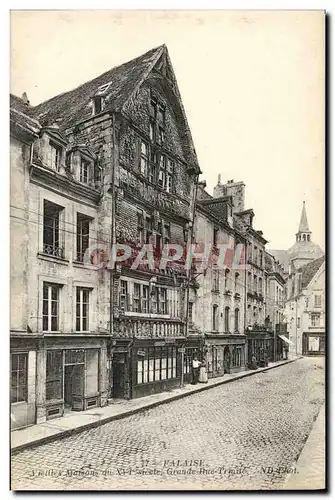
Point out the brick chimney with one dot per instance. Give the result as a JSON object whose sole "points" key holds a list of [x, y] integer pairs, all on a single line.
{"points": [[234, 189]]}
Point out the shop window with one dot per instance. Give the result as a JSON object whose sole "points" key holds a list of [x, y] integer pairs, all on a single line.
{"points": [[82, 309], [19, 378], [74, 356], [92, 372], [51, 229], [226, 319], [317, 300], [54, 375], [50, 313], [55, 156], [155, 364], [83, 235]]}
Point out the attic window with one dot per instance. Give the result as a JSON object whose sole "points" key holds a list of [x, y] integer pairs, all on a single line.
{"points": [[97, 105]]}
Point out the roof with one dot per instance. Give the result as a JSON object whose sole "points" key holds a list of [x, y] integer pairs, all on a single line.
{"points": [[75, 105], [309, 271], [282, 256], [21, 123], [303, 226]]}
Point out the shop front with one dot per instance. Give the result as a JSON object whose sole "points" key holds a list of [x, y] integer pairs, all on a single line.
{"points": [[224, 354], [72, 377], [313, 344], [23, 381], [260, 346]]}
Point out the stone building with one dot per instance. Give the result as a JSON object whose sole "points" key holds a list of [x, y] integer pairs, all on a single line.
{"points": [[305, 309], [219, 306], [110, 161]]}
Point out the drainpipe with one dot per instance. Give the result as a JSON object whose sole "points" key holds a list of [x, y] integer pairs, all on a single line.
{"points": [[188, 273]]}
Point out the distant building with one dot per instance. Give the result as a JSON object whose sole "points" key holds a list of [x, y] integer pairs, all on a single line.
{"points": [[303, 251], [305, 308]]}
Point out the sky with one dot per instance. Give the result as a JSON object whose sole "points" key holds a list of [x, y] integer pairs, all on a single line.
{"points": [[252, 84]]}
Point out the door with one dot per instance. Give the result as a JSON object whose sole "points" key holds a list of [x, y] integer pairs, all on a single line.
{"points": [[226, 359], [73, 383], [118, 379]]}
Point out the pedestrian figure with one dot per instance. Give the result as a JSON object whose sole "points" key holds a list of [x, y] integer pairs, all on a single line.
{"points": [[195, 370], [203, 376]]}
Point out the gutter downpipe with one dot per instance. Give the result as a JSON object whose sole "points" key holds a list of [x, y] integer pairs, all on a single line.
{"points": [[188, 273]]}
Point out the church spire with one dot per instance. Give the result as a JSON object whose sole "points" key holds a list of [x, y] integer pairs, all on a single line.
{"points": [[303, 227], [303, 234]]}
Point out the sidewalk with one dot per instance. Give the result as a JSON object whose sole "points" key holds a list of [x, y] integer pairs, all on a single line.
{"points": [[74, 422], [310, 466]]}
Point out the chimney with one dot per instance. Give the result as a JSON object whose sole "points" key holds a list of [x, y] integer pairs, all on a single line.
{"points": [[237, 191], [25, 99], [219, 189], [202, 184]]}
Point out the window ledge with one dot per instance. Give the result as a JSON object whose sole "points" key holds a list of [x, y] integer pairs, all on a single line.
{"points": [[50, 258], [83, 265]]}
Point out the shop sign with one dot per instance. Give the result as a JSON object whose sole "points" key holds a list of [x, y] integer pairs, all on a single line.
{"points": [[181, 350], [141, 353], [159, 344]]}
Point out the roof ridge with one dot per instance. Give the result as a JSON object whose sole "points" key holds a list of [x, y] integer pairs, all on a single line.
{"points": [[98, 76]]}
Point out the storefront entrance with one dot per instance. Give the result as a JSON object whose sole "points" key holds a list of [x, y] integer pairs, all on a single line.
{"points": [[73, 385], [118, 376]]}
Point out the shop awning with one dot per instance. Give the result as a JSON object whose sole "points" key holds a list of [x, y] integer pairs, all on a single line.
{"points": [[285, 339]]}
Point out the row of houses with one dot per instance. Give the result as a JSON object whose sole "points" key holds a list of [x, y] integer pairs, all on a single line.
{"points": [[113, 162]]}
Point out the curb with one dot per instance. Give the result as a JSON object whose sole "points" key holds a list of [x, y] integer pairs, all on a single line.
{"points": [[149, 406]]}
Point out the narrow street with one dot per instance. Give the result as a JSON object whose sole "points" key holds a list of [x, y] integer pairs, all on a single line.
{"points": [[243, 435]]}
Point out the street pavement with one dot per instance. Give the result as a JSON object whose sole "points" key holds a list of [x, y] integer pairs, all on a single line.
{"points": [[244, 435]]}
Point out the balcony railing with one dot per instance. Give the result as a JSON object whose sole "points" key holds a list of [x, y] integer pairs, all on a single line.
{"points": [[53, 250], [146, 305], [148, 327]]}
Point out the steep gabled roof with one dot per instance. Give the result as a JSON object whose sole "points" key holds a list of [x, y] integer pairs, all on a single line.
{"points": [[75, 105], [309, 271]]}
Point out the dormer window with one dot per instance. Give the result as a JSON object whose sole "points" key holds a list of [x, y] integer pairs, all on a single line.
{"points": [[84, 171], [56, 156], [97, 105]]}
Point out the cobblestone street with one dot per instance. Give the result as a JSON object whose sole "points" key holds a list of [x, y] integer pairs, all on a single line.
{"points": [[242, 435]]}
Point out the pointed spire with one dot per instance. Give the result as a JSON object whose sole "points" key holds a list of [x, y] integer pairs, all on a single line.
{"points": [[303, 226]]}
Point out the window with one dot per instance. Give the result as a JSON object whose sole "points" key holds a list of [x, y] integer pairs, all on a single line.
{"points": [[145, 299], [215, 317], [83, 235], [236, 281], [249, 282], [152, 131], [97, 105], [84, 171], [215, 236], [237, 320], [137, 298], [123, 296], [54, 375], [161, 135], [161, 114], [255, 255], [51, 231], [19, 378], [190, 312], [55, 155], [261, 258], [140, 227], [82, 309], [167, 234], [158, 238], [216, 282], [226, 279], [152, 167], [317, 300], [153, 108], [144, 161], [162, 172], [155, 364], [255, 283], [50, 313], [315, 319], [260, 286], [148, 229], [161, 302], [226, 319], [169, 176]]}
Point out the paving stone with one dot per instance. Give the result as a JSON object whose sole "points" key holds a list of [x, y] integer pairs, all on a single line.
{"points": [[247, 435]]}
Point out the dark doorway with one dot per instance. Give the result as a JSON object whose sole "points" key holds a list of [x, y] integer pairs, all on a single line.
{"points": [[226, 359], [73, 383], [118, 378]]}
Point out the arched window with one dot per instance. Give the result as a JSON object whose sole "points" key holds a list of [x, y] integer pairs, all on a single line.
{"points": [[226, 279], [308, 237], [237, 320], [304, 237], [226, 319]]}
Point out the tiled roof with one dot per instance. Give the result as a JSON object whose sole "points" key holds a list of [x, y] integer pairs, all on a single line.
{"points": [[309, 270], [20, 120], [75, 105]]}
